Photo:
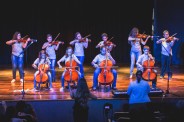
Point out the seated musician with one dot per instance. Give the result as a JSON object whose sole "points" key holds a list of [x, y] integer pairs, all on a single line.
{"points": [[42, 59], [146, 56], [69, 56], [96, 62]]}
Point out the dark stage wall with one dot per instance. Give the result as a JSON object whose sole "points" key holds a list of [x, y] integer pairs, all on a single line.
{"points": [[67, 17]]}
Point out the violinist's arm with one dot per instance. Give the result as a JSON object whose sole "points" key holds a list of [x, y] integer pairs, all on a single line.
{"points": [[159, 41], [45, 45], [10, 42], [57, 46], [24, 45], [73, 42], [85, 44], [130, 39], [143, 42], [99, 45]]}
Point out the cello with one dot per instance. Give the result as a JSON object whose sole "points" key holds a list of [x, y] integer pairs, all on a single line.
{"points": [[106, 76], [148, 73], [42, 76], [71, 74]]}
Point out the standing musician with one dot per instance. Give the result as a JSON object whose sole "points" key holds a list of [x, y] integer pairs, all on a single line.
{"points": [[96, 63], [42, 60], [144, 58], [166, 52], [135, 41], [17, 56], [50, 50], [68, 57], [80, 43], [105, 42]]}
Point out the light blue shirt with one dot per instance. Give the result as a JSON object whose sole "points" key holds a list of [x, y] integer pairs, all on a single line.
{"points": [[138, 92], [17, 49]]}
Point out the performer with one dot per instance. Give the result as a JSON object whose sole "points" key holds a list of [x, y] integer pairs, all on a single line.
{"points": [[50, 50], [69, 56], [147, 57], [42, 59], [135, 43], [166, 53], [139, 100], [80, 43], [105, 42], [96, 62], [17, 56]]}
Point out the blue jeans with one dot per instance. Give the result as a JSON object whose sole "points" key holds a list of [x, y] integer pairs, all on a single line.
{"points": [[97, 72], [17, 62], [81, 59], [134, 57], [165, 62], [49, 79], [52, 67], [63, 78]]}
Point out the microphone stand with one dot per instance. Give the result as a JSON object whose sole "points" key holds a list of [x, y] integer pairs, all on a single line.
{"points": [[25, 49], [169, 72]]}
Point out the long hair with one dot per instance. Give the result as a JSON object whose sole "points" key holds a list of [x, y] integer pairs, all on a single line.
{"points": [[69, 47], [82, 89], [15, 35], [40, 53], [135, 29]]}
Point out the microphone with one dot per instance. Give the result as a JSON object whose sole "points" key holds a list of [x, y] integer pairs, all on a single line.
{"points": [[33, 40]]}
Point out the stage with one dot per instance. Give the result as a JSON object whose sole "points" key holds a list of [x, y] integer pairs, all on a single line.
{"points": [[60, 103], [13, 91]]}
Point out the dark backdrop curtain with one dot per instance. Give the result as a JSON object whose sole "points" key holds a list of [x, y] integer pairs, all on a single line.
{"points": [[169, 16], [116, 18]]}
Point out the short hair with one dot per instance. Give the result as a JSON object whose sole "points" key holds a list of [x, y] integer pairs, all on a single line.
{"points": [[104, 34], [146, 47], [165, 31], [49, 35]]}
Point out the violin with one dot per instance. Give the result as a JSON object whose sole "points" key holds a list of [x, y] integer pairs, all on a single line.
{"points": [[71, 73], [148, 73], [172, 38], [42, 75], [84, 39], [144, 36], [24, 39], [109, 43], [56, 42]]}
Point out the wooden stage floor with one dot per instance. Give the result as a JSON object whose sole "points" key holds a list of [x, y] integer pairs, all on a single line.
{"points": [[13, 91]]}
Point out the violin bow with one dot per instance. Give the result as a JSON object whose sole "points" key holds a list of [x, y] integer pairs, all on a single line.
{"points": [[56, 37]]}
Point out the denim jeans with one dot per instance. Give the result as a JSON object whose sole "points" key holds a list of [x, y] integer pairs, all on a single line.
{"points": [[134, 57], [52, 67], [81, 59], [49, 79], [63, 78], [97, 72], [17, 62], [165, 62]]}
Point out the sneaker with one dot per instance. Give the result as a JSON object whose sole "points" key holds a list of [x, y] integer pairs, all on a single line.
{"points": [[21, 80], [161, 77], [35, 89], [94, 88], [61, 89], [131, 76], [51, 89], [13, 80]]}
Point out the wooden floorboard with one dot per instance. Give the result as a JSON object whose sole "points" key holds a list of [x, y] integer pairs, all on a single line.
{"points": [[13, 91]]}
